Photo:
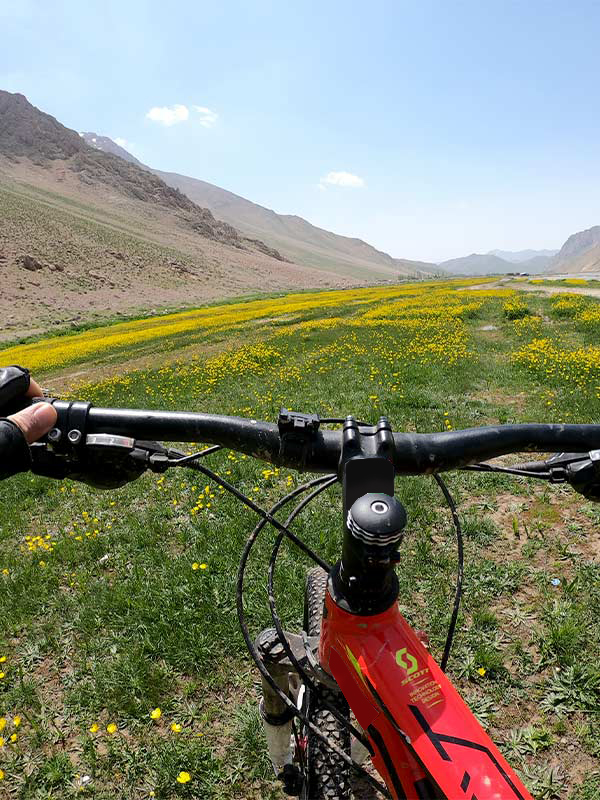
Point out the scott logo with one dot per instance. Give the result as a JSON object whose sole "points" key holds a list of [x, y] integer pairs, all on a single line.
{"points": [[407, 661]]}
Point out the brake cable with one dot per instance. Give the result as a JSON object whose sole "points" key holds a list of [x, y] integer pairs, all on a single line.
{"points": [[546, 476], [279, 627], [460, 570], [321, 484], [185, 460], [190, 463], [255, 656]]}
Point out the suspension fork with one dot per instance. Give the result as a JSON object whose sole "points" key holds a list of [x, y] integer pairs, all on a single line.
{"points": [[276, 715]]}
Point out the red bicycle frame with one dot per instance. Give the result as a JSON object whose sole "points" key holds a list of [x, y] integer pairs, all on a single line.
{"points": [[423, 734]]}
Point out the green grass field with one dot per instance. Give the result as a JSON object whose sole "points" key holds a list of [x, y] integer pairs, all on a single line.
{"points": [[117, 603]]}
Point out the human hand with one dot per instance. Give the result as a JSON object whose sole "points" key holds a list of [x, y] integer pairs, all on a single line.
{"points": [[35, 420]]}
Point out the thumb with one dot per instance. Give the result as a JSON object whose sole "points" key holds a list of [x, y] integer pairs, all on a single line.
{"points": [[35, 420]]}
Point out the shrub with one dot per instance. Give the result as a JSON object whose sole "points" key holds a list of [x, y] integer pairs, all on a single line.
{"points": [[515, 309]]}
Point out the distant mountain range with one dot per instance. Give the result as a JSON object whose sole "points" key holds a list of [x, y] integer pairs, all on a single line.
{"points": [[304, 243], [299, 240], [518, 256], [579, 254], [493, 264]]}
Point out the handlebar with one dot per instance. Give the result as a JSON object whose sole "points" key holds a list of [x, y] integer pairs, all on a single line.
{"points": [[297, 442]]}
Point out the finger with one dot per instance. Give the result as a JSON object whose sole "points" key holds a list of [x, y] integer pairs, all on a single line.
{"points": [[35, 390], [35, 421]]}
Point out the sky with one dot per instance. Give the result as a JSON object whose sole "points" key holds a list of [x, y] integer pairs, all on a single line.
{"points": [[430, 129]]}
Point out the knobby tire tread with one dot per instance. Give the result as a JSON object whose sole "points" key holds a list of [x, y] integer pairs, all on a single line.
{"points": [[328, 777]]}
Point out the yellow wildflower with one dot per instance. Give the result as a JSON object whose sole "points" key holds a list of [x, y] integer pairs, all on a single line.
{"points": [[2, 723], [184, 777], [94, 728], [481, 671], [111, 728], [13, 738], [195, 565], [16, 721], [176, 727], [156, 714]]}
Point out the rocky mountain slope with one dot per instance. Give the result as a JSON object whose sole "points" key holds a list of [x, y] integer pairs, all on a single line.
{"points": [[580, 253], [297, 239], [26, 132], [108, 146], [83, 233]]}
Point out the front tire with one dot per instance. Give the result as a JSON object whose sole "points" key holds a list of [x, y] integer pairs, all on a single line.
{"points": [[327, 775]]}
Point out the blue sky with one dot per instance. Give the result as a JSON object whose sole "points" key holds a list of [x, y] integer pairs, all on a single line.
{"points": [[466, 125]]}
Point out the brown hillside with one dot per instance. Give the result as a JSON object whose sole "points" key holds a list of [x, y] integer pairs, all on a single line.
{"points": [[295, 237], [580, 253], [84, 233], [28, 133]]}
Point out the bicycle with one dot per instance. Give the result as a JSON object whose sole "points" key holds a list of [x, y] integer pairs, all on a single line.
{"points": [[357, 680]]}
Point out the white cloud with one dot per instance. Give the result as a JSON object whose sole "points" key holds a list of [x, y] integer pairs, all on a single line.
{"points": [[169, 115], [345, 179], [207, 117]]}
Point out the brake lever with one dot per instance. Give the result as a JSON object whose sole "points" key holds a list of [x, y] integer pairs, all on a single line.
{"points": [[103, 460], [584, 476], [580, 471]]}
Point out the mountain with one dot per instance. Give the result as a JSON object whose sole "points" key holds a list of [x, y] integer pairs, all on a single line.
{"points": [[580, 253], [537, 264], [107, 145], [489, 264], [293, 236], [301, 241], [27, 132], [517, 256], [84, 232], [477, 264]]}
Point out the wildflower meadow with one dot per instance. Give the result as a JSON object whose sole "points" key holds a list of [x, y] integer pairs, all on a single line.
{"points": [[122, 669]]}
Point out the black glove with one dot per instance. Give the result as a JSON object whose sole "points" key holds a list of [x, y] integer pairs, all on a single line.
{"points": [[14, 450], [14, 383]]}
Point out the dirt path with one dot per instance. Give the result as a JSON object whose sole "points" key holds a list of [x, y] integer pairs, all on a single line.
{"points": [[503, 283], [549, 289]]}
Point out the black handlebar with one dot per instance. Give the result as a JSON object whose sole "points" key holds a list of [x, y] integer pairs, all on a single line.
{"points": [[419, 453], [297, 443]]}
